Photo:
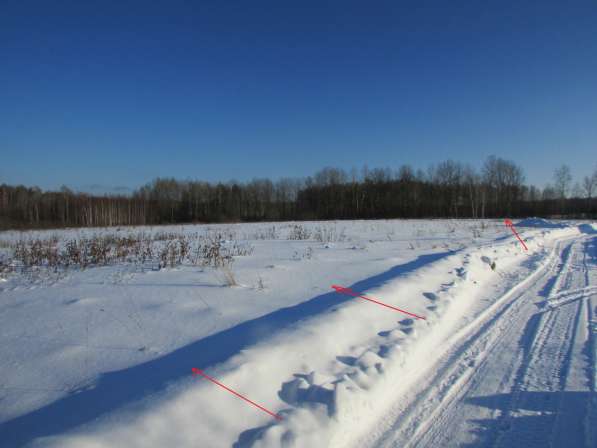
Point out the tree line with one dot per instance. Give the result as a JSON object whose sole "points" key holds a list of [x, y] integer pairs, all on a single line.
{"points": [[447, 190]]}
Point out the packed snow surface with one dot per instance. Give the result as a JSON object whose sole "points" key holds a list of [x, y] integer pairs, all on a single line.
{"points": [[505, 354]]}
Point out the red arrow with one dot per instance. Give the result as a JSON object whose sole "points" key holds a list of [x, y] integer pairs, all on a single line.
{"points": [[197, 371], [350, 292], [509, 224]]}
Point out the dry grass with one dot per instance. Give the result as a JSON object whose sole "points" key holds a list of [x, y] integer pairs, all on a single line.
{"points": [[162, 249], [228, 276]]}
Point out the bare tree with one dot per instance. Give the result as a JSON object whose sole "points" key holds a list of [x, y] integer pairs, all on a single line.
{"points": [[503, 180], [562, 181], [472, 182], [405, 173], [549, 193], [577, 191], [447, 190], [449, 176], [589, 184]]}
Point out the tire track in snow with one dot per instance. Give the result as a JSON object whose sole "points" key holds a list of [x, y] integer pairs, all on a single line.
{"points": [[516, 318], [591, 349], [573, 362], [566, 324], [545, 370], [416, 422]]}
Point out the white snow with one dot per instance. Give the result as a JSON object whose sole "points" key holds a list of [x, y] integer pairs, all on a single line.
{"points": [[103, 357]]}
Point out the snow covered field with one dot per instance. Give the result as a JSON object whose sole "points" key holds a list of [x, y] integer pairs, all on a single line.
{"points": [[102, 356]]}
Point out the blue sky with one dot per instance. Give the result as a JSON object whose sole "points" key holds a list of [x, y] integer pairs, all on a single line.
{"points": [[117, 93]]}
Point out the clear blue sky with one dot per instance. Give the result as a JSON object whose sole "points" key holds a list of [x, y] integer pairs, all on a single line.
{"points": [[117, 93]]}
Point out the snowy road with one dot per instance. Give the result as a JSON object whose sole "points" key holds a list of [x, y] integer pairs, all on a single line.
{"points": [[521, 375]]}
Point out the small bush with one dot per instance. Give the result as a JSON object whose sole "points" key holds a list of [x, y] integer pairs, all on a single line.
{"points": [[307, 254], [241, 250], [325, 234], [299, 232], [269, 233], [214, 253], [162, 249]]}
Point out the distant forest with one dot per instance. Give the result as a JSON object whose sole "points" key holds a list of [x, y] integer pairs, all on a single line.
{"points": [[447, 190]]}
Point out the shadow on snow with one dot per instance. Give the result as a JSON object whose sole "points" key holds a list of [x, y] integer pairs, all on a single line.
{"points": [[563, 419], [116, 389]]}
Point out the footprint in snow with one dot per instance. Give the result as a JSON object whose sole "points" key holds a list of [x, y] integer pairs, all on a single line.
{"points": [[383, 351], [348, 360], [430, 295], [298, 392], [448, 285], [486, 259]]}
